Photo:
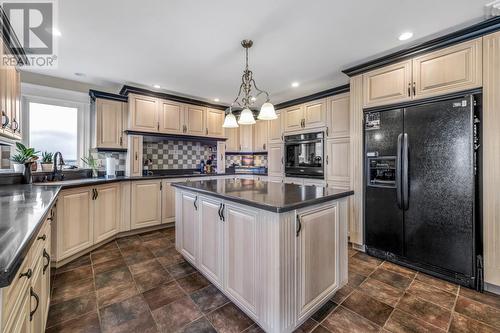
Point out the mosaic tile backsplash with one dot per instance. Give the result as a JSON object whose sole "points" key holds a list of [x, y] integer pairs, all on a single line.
{"points": [[174, 154], [258, 160], [120, 157]]}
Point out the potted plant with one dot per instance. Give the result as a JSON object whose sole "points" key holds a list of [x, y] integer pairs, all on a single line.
{"points": [[24, 157], [92, 163], [47, 162]]}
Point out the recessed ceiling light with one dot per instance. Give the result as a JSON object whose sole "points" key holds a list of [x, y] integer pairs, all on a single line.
{"points": [[216, 100], [405, 35], [157, 86], [295, 84], [56, 32], [79, 74]]}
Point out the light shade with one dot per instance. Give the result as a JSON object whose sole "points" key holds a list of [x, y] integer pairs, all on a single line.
{"points": [[267, 112], [230, 121], [246, 117]]}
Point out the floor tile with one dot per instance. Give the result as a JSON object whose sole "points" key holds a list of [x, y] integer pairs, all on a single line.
{"points": [[152, 235], [368, 307], [409, 273], [104, 256], [78, 262], [431, 294], [355, 279], [367, 258], [254, 329], [306, 326], [393, 279], [342, 320], [170, 257], [113, 278], [169, 232], [145, 266], [381, 291], [163, 295], [425, 311], [351, 251], [201, 325], [88, 323], [478, 311], [342, 294], [193, 282], [131, 315], [149, 280], [71, 309], [229, 319], [361, 267], [159, 246], [180, 270], [176, 315], [109, 265], [116, 293], [69, 290], [80, 273], [321, 329], [324, 311], [485, 297], [128, 241], [463, 324], [209, 298], [135, 255], [110, 246], [438, 283], [402, 322]]}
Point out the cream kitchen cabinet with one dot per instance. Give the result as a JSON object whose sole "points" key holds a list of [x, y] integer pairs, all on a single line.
{"points": [[145, 208], [194, 120], [75, 221], [314, 114], [337, 161], [167, 201], [337, 116], [275, 160], [171, 117], [260, 135], [452, 69], [293, 118], [275, 132], [143, 113], [10, 90], [187, 231], [133, 166], [246, 138], [215, 120], [211, 229], [233, 139], [109, 121], [107, 207]]}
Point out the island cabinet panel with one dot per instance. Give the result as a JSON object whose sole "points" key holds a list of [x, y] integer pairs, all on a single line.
{"points": [[316, 251], [171, 117], [240, 255], [167, 202], [387, 85], [211, 241], [189, 231], [74, 222], [106, 211], [215, 120], [145, 204], [143, 113]]}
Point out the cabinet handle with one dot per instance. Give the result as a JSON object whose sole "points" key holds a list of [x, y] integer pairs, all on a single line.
{"points": [[16, 127], [299, 226], [414, 88], [5, 119], [409, 89], [206, 130], [281, 160], [93, 194], [158, 126], [220, 214], [96, 194], [27, 274], [327, 131], [136, 156], [121, 141], [264, 146], [46, 256], [33, 294], [43, 237], [327, 159], [194, 203], [221, 157]]}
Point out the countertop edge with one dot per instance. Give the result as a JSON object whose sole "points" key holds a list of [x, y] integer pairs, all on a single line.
{"points": [[7, 273]]}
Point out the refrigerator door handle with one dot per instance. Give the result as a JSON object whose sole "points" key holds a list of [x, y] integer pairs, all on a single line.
{"points": [[405, 171], [398, 171]]}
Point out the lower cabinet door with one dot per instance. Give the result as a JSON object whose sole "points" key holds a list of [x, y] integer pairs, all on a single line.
{"points": [[36, 300], [317, 248], [146, 204], [21, 323], [210, 249], [240, 255], [167, 203], [189, 232], [74, 222], [106, 211]]}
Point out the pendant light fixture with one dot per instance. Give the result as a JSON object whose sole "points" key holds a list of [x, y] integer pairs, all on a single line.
{"points": [[246, 99]]}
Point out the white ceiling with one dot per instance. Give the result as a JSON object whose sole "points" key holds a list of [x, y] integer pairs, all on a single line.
{"points": [[193, 47]]}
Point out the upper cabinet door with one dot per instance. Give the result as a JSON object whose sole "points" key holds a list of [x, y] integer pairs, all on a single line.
{"points": [[454, 68], [275, 160], [260, 136], [215, 120], [293, 118], [109, 123], [337, 116], [276, 129], [143, 113], [246, 138], [388, 85], [233, 140], [314, 114], [195, 120], [171, 117]]}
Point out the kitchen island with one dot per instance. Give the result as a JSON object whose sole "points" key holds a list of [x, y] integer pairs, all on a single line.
{"points": [[278, 251]]}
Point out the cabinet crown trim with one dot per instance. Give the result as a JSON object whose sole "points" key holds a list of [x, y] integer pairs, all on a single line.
{"points": [[105, 95], [309, 98]]}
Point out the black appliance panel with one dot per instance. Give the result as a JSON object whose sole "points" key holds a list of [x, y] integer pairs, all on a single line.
{"points": [[304, 155]]}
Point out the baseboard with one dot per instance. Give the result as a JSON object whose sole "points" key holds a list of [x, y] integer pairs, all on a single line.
{"points": [[492, 288]]}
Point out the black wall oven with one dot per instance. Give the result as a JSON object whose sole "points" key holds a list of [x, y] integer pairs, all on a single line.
{"points": [[304, 155]]}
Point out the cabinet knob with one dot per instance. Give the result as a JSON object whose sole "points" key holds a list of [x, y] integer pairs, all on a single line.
{"points": [[44, 237], [26, 274]]}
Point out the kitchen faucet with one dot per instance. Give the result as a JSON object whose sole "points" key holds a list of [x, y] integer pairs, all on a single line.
{"points": [[55, 171]]}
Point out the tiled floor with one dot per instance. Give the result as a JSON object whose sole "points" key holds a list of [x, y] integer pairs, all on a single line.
{"points": [[141, 284]]}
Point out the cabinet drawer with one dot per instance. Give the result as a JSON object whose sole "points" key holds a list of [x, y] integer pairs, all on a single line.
{"points": [[40, 242]]}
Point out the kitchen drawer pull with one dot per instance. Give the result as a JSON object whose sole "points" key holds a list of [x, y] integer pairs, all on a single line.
{"points": [[43, 237], [46, 256], [33, 294], [27, 274], [299, 226], [222, 213], [194, 203]]}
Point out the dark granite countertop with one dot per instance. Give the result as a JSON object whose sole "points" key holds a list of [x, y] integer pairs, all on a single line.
{"points": [[23, 208], [270, 196]]}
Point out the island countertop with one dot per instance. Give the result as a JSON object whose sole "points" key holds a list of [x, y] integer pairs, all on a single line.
{"points": [[23, 209], [270, 196]]}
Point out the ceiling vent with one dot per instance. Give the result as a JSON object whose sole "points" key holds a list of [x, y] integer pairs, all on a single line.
{"points": [[493, 8]]}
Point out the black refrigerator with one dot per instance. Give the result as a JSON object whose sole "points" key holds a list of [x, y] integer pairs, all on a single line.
{"points": [[422, 193]]}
